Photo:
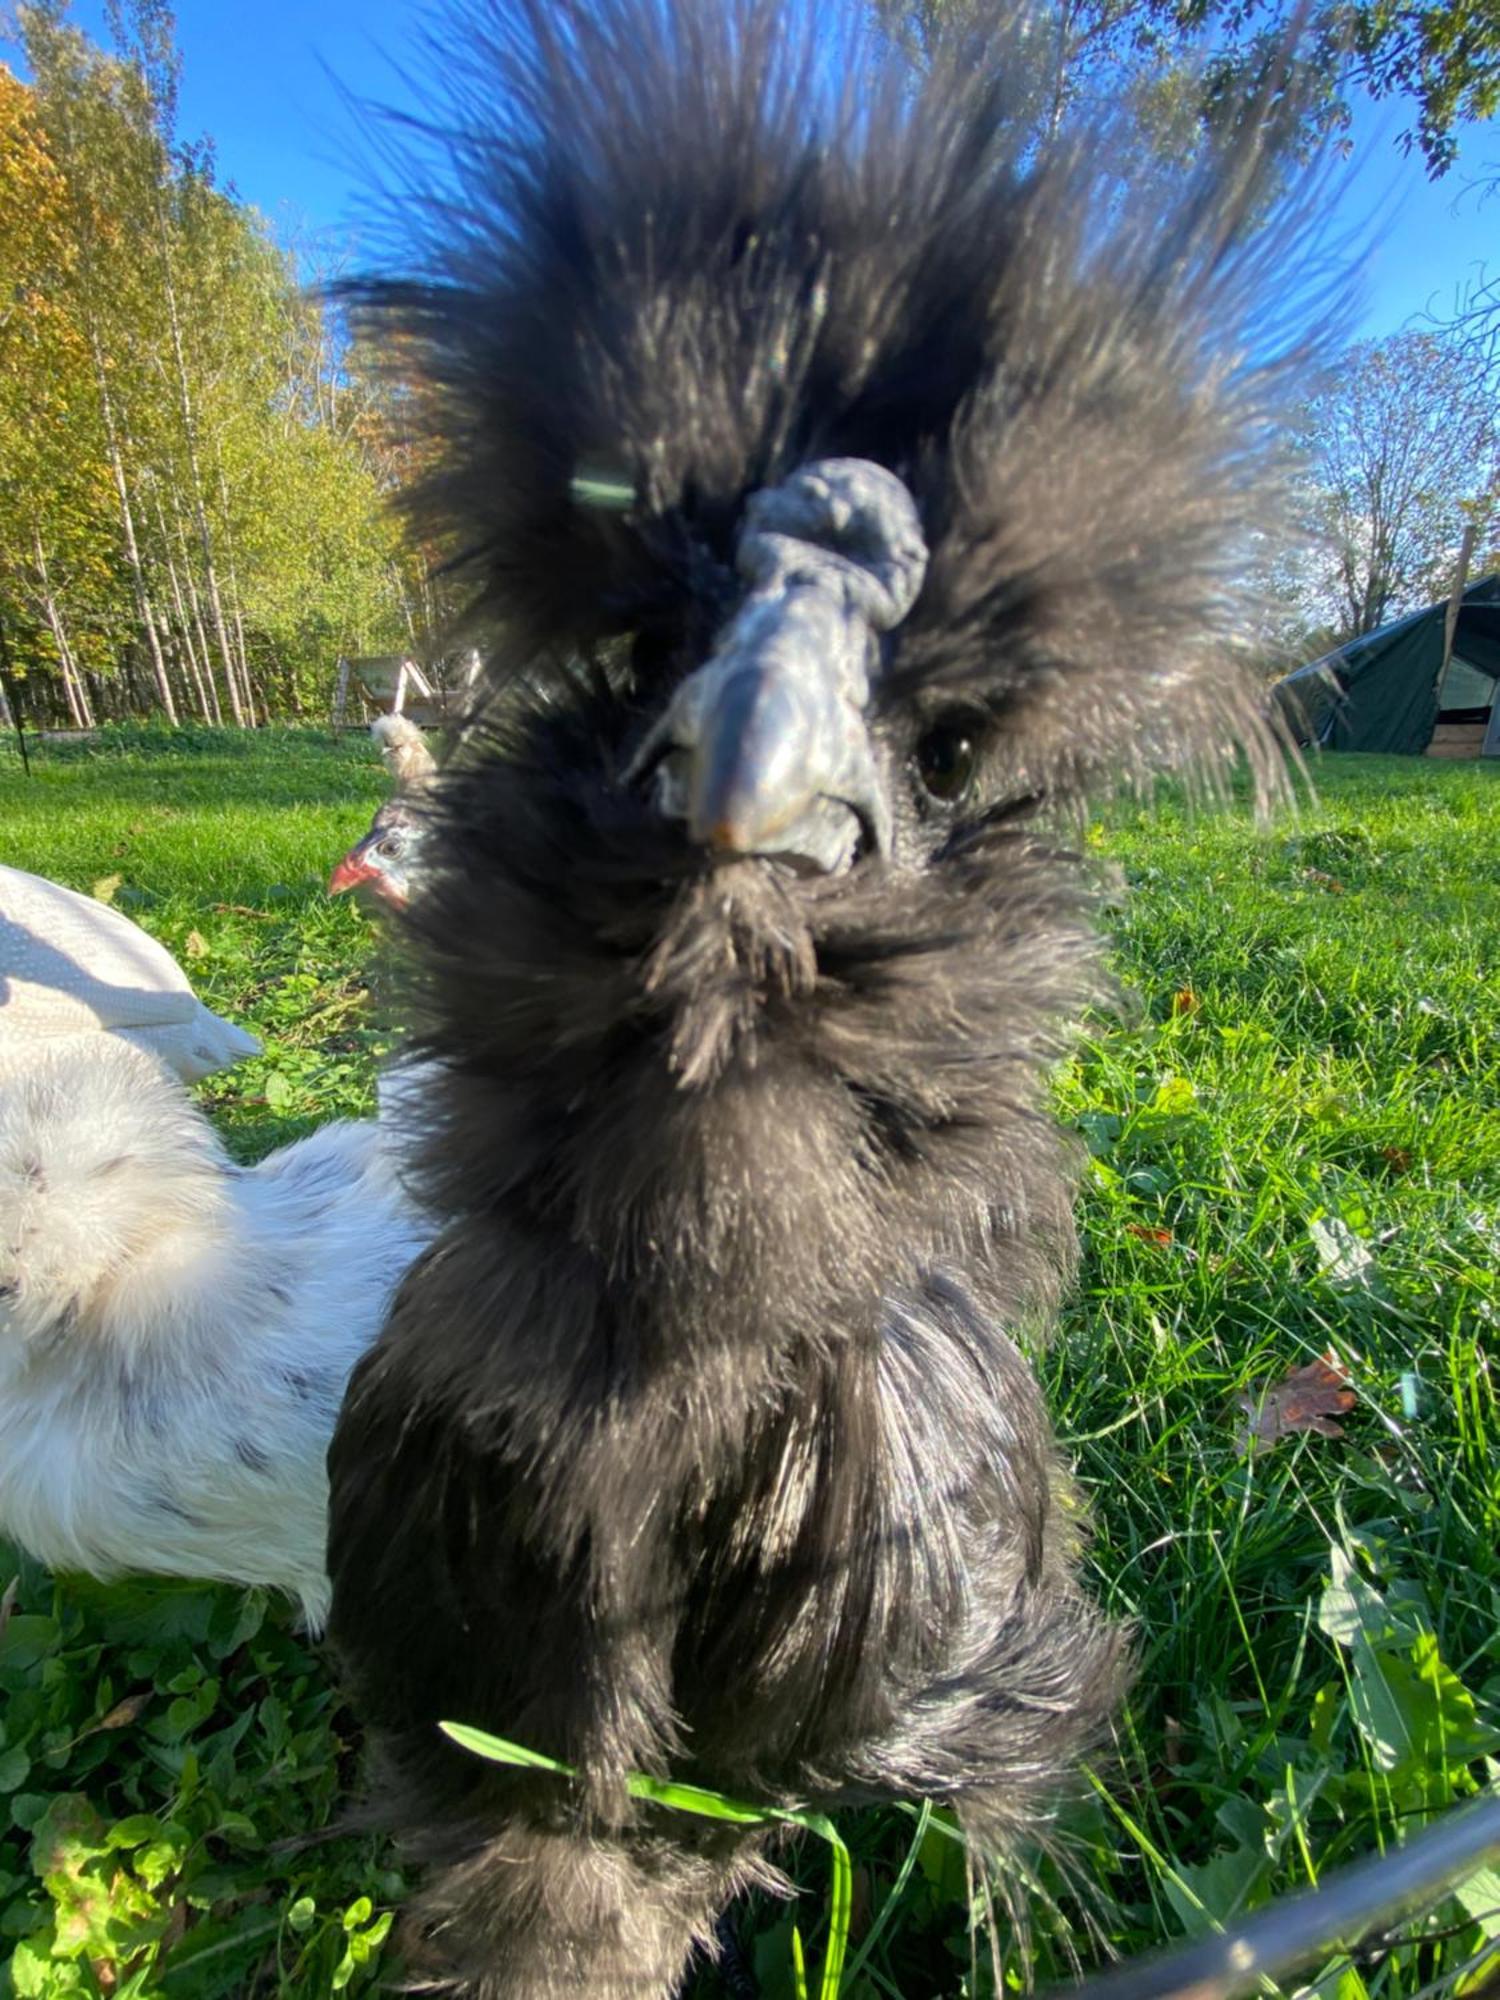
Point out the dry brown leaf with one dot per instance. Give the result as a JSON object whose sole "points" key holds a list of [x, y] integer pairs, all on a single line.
{"points": [[1162, 1238], [1397, 1158], [1185, 1001], [125, 1711], [1321, 881], [1311, 1398]]}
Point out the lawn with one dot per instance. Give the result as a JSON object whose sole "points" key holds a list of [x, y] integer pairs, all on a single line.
{"points": [[1293, 1136]]}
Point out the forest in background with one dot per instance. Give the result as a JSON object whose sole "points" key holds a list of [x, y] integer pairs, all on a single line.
{"points": [[196, 461], [194, 465]]}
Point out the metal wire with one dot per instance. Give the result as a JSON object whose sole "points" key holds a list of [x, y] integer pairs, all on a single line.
{"points": [[1285, 1935]]}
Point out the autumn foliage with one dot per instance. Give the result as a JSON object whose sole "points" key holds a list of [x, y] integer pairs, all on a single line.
{"points": [[193, 467]]}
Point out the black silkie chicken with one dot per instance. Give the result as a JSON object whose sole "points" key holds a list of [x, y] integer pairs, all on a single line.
{"points": [[848, 488]]}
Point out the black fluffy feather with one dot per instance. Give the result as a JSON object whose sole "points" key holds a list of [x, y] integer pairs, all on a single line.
{"points": [[701, 1443]]}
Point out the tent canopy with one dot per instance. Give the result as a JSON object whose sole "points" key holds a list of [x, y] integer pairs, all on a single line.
{"points": [[1380, 692]]}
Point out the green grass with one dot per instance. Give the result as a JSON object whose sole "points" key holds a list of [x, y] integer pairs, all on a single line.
{"points": [[1310, 1064]]}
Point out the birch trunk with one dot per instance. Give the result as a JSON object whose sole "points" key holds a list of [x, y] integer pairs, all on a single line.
{"points": [[79, 706], [234, 586], [142, 595], [187, 656], [202, 673], [231, 685], [190, 440]]}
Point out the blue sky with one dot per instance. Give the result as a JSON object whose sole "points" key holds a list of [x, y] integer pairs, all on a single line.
{"points": [[258, 76]]}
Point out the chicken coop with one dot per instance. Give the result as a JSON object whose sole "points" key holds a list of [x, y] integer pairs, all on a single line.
{"points": [[396, 684]]}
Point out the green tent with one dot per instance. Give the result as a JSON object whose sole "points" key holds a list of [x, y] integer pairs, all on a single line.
{"points": [[1381, 692]]}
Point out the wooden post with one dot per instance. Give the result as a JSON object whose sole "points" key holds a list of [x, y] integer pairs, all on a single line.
{"points": [[1455, 605]]}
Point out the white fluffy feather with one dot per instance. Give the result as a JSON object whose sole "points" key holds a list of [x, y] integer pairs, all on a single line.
{"points": [[176, 1331], [72, 966], [404, 749]]}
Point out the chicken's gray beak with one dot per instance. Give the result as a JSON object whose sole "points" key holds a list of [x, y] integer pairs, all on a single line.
{"points": [[762, 752], [766, 749]]}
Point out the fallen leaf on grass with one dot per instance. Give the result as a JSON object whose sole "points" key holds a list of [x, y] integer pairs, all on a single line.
{"points": [[1311, 1398], [1397, 1158], [195, 945], [1162, 1238], [124, 1712], [104, 889], [1346, 1258], [1185, 1001], [1321, 881]]}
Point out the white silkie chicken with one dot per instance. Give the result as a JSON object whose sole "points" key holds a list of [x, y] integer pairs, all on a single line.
{"points": [[70, 965], [176, 1330], [404, 752]]}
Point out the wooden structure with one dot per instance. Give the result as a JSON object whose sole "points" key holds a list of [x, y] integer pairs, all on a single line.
{"points": [[1463, 735], [396, 684]]}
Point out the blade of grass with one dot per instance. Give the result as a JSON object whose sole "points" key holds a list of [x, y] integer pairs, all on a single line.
{"points": [[897, 1890], [705, 1804]]}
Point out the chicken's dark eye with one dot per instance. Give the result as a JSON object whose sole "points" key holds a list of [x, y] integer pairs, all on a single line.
{"points": [[947, 758], [392, 846]]}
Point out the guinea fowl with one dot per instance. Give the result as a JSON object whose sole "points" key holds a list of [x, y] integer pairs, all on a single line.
{"points": [[384, 860], [72, 966], [175, 1330], [851, 485]]}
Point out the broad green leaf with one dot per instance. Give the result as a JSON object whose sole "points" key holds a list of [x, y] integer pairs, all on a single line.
{"points": [[27, 1639], [1352, 1610], [1479, 1895]]}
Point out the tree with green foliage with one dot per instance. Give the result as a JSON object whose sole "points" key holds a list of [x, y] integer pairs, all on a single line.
{"points": [[87, 118], [1404, 450], [1185, 62], [192, 484], [53, 498]]}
